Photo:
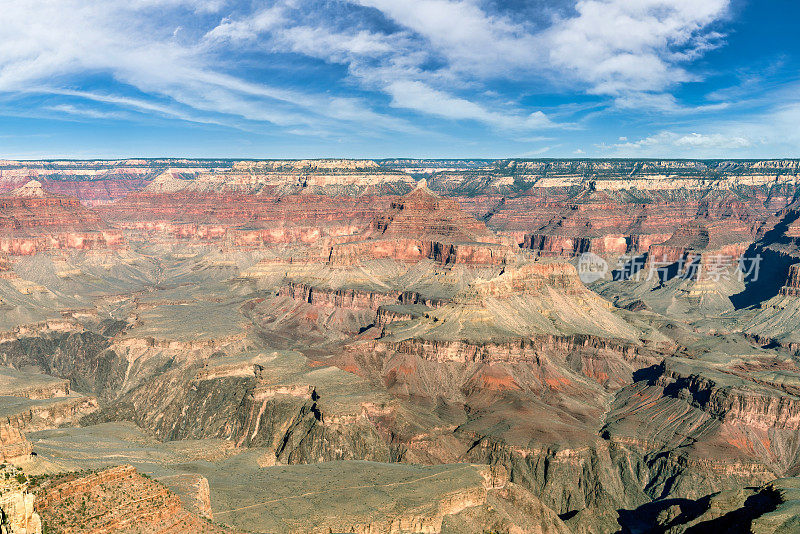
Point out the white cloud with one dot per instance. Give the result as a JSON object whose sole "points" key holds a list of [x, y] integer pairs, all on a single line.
{"points": [[661, 103], [472, 40], [87, 112], [417, 96], [613, 47], [668, 143], [48, 46], [619, 46], [761, 134], [694, 140], [248, 28], [440, 62], [393, 62]]}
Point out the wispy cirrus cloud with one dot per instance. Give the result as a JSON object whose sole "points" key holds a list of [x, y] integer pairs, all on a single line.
{"points": [[417, 96], [48, 44], [368, 68]]}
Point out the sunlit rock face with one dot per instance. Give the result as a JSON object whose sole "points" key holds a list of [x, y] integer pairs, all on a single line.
{"points": [[400, 345], [423, 225], [33, 219], [117, 499], [17, 515]]}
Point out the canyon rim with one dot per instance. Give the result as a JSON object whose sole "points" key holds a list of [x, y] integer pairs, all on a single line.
{"points": [[399, 345], [399, 267]]}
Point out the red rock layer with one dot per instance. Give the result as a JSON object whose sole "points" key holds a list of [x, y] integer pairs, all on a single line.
{"points": [[424, 213], [423, 225], [22, 213], [25, 246], [554, 223], [96, 192], [97, 182], [32, 220], [248, 218], [414, 250], [116, 500], [704, 251]]}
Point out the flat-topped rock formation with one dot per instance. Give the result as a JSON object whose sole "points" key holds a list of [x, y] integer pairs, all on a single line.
{"points": [[30, 206], [33, 386], [97, 182]]}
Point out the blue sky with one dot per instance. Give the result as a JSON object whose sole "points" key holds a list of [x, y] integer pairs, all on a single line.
{"points": [[386, 78]]}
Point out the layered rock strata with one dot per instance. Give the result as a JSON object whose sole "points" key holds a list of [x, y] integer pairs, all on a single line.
{"points": [[33, 220], [423, 225], [117, 499]]}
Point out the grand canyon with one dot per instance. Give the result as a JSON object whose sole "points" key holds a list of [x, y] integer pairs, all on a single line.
{"points": [[585, 346]]}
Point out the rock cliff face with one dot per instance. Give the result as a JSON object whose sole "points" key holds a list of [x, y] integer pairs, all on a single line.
{"points": [[792, 286], [97, 182], [553, 207], [423, 225], [13, 445], [33, 220], [30, 206], [16, 504], [300, 316]]}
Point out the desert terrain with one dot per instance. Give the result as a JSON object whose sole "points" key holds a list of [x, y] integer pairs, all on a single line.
{"points": [[400, 346]]}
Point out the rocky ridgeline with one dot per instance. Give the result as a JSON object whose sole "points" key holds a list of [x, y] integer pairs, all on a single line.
{"points": [[287, 177], [117, 499], [614, 223], [34, 402], [553, 207], [761, 408], [15, 384], [423, 225], [193, 491], [523, 351], [531, 279], [352, 298], [97, 182], [509, 508], [631, 168], [245, 219], [53, 415]]}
